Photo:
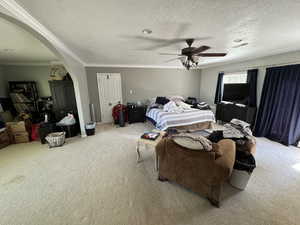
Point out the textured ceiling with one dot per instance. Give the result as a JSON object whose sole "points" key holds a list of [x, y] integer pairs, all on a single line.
{"points": [[19, 46], [99, 31]]}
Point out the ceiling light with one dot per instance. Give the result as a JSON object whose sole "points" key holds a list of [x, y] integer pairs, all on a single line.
{"points": [[238, 40], [146, 31]]}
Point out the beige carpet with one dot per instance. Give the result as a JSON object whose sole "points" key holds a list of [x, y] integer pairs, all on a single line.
{"points": [[96, 180]]}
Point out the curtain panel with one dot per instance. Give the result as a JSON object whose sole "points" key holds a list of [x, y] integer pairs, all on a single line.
{"points": [[252, 82], [219, 89], [279, 112]]}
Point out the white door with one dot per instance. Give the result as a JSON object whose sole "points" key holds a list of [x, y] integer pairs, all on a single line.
{"points": [[110, 94]]}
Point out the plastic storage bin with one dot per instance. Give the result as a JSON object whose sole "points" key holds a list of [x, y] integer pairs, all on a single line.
{"points": [[242, 169]]}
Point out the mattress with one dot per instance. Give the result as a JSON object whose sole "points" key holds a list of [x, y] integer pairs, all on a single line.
{"points": [[165, 120]]}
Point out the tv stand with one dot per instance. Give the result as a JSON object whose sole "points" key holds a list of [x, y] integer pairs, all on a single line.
{"points": [[227, 111]]}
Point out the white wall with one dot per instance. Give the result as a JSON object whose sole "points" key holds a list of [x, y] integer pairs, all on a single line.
{"points": [[146, 83], [209, 76]]}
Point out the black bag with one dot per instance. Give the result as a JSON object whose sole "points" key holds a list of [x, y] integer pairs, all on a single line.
{"points": [[161, 100], [244, 161]]}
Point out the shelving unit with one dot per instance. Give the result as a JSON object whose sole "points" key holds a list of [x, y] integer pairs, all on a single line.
{"points": [[24, 95]]}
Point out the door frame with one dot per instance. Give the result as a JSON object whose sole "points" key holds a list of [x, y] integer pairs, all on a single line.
{"points": [[99, 92]]}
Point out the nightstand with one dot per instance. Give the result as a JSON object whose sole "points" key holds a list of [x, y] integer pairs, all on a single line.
{"points": [[136, 113]]}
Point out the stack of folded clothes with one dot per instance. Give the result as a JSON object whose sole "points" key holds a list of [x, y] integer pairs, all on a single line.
{"points": [[236, 130]]}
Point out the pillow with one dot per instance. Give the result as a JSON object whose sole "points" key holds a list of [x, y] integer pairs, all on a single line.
{"points": [[161, 100], [192, 141]]}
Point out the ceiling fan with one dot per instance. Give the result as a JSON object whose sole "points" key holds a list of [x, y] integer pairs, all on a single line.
{"points": [[189, 56]]}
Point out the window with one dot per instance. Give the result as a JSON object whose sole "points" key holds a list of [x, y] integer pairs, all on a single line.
{"points": [[235, 78], [236, 88]]}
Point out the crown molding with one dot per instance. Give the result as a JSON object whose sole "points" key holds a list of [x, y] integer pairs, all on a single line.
{"points": [[51, 63], [134, 66], [21, 14], [26, 64]]}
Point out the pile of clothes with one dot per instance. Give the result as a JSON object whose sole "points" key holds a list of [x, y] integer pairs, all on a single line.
{"points": [[236, 130], [178, 104]]}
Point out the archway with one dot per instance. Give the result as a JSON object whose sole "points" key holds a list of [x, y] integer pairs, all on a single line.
{"points": [[72, 64]]}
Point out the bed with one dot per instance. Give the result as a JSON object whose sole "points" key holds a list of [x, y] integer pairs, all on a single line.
{"points": [[189, 119]]}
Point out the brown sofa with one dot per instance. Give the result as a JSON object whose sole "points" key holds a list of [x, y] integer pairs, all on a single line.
{"points": [[200, 171]]}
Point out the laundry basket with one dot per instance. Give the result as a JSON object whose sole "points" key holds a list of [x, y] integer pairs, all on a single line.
{"points": [[242, 170], [56, 139]]}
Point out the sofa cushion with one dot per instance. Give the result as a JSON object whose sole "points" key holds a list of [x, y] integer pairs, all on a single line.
{"points": [[193, 142]]}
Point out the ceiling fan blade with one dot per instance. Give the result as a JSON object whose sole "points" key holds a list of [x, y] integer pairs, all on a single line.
{"points": [[170, 60], [212, 54], [144, 38], [170, 54], [158, 43], [200, 49]]}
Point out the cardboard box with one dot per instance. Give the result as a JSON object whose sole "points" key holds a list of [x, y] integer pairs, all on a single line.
{"points": [[21, 137], [4, 139], [16, 127], [19, 127]]}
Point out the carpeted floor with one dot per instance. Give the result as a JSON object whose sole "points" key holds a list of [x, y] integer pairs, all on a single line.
{"points": [[96, 180]]}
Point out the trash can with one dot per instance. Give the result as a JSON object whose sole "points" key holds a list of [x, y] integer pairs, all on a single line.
{"points": [[90, 129], [242, 169]]}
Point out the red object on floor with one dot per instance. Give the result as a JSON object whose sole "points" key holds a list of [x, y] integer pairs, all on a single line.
{"points": [[116, 112], [35, 132]]}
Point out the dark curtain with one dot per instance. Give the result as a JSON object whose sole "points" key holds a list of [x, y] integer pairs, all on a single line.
{"points": [[219, 89], [252, 82], [279, 112]]}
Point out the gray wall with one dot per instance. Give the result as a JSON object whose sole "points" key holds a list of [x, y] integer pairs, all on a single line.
{"points": [[146, 83], [209, 76], [2, 84], [40, 74]]}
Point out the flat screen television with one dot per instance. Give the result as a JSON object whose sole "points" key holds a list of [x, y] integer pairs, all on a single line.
{"points": [[237, 93]]}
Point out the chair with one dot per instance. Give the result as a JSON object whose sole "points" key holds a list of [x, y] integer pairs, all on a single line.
{"points": [[200, 171]]}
